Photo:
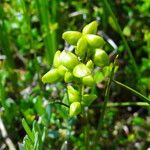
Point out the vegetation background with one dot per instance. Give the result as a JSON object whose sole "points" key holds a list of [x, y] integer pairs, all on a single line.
{"points": [[30, 33]]}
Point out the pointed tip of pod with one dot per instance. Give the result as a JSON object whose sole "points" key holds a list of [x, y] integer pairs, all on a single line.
{"points": [[68, 59], [51, 76], [101, 58], [73, 94], [82, 47], [71, 37], [75, 109], [88, 80], [90, 28], [95, 41], [56, 60], [81, 70]]}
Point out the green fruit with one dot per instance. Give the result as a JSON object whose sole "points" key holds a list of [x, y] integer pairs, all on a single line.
{"points": [[101, 58], [82, 47], [73, 95], [87, 99], [88, 80], [62, 70], [75, 109], [90, 65], [68, 77], [51, 76], [81, 71], [90, 28], [71, 37], [68, 59], [56, 61], [95, 41]]}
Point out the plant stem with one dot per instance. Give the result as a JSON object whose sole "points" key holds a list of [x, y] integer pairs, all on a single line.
{"points": [[122, 104], [144, 98], [60, 103], [101, 119], [85, 116], [122, 36], [111, 104]]}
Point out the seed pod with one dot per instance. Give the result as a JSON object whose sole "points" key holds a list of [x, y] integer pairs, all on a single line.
{"points": [[90, 65], [74, 95], [75, 109], [68, 77], [82, 47], [62, 70], [71, 37], [88, 80], [51, 76], [90, 28], [101, 58], [95, 41], [68, 59], [87, 99], [56, 61], [81, 71]]}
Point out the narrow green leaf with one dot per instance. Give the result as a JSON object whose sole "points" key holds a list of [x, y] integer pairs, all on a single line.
{"points": [[28, 130]]}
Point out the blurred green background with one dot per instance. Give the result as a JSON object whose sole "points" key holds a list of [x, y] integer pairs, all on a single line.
{"points": [[30, 33]]}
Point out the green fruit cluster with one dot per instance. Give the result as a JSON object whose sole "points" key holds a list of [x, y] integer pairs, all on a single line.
{"points": [[77, 67]]}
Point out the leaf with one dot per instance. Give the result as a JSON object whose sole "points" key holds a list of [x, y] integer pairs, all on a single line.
{"points": [[28, 130]]}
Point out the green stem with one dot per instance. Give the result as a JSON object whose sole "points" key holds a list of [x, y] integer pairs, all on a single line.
{"points": [[60, 103], [86, 136], [111, 104], [144, 98], [107, 5], [123, 104], [107, 92]]}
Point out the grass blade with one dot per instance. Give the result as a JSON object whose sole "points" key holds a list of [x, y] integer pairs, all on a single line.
{"points": [[28, 130], [4, 41], [144, 98], [49, 36], [108, 7]]}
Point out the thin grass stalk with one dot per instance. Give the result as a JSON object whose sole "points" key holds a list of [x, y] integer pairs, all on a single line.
{"points": [[2, 91], [123, 104], [108, 7], [26, 20], [141, 96], [4, 41], [106, 99], [48, 35]]}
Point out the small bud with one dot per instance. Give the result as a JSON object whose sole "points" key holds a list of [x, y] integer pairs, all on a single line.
{"points": [[62, 70], [68, 59], [56, 61], [68, 77], [71, 37], [81, 71], [88, 99], [82, 47], [51, 76], [95, 41], [90, 28], [74, 95], [90, 65], [101, 58], [75, 109], [88, 80]]}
